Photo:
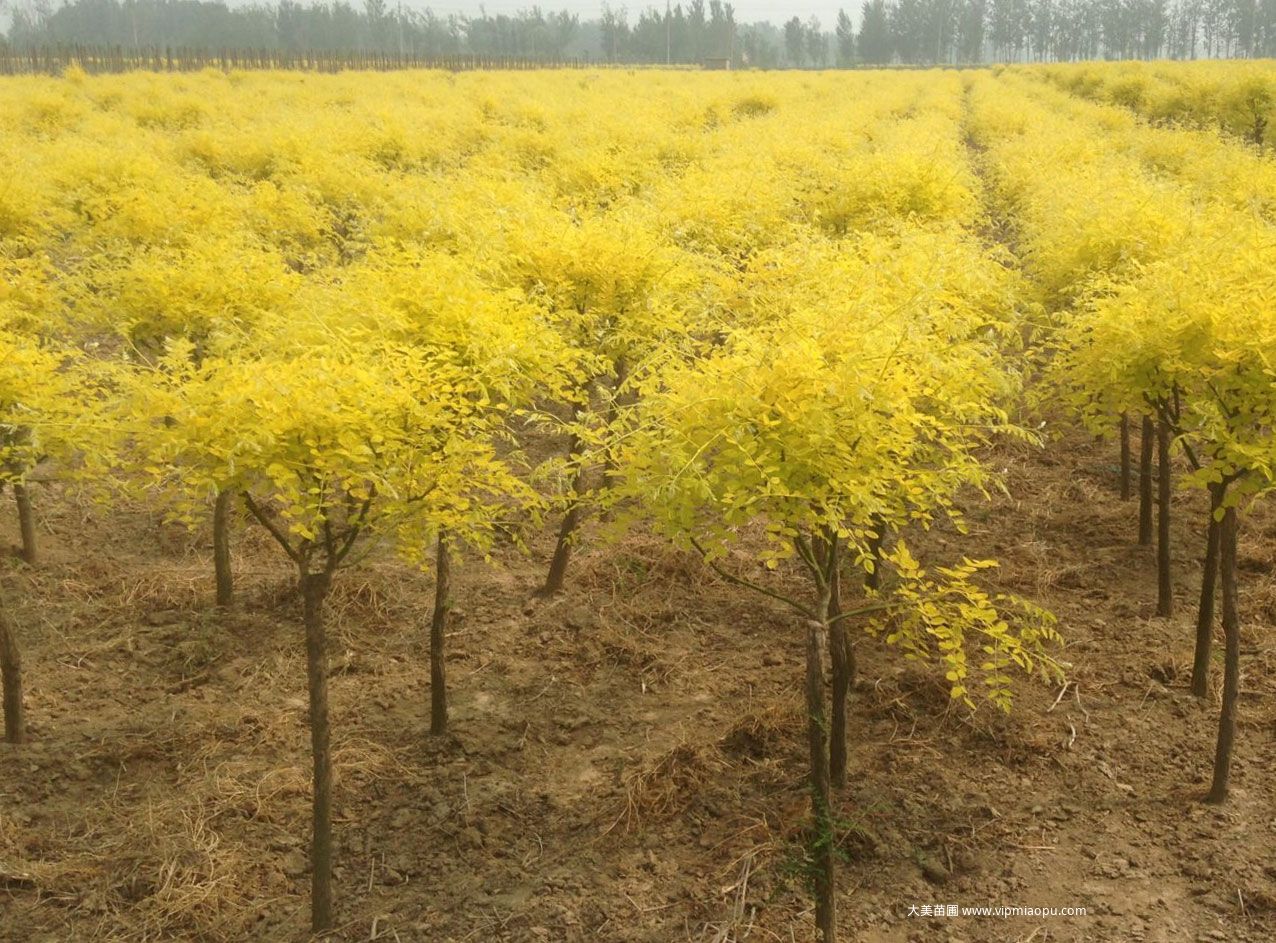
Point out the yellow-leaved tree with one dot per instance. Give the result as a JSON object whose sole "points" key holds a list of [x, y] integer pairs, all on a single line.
{"points": [[1183, 338], [507, 348], [622, 297], [331, 449], [804, 434], [47, 411]]}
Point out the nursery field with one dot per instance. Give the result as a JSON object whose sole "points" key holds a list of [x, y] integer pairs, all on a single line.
{"points": [[639, 506]]}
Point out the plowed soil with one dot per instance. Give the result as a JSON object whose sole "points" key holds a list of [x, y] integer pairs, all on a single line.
{"points": [[627, 760]]}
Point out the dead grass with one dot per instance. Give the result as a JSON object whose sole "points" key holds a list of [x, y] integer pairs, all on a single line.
{"points": [[665, 785]]}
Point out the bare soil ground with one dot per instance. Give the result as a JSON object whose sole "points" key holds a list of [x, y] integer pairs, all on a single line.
{"points": [[627, 760]]}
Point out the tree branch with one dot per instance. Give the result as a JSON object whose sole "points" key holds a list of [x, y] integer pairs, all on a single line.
{"points": [[354, 529], [807, 553], [1171, 420], [864, 611], [730, 578], [274, 529]]}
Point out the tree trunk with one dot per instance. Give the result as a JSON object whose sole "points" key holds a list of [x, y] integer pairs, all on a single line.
{"points": [[222, 575], [1164, 586], [1231, 659], [824, 841], [1145, 482], [1125, 457], [11, 682], [438, 627], [314, 590], [26, 522], [843, 678], [1205, 612], [571, 520]]}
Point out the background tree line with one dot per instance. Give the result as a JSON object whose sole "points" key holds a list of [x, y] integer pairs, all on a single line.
{"points": [[885, 31]]}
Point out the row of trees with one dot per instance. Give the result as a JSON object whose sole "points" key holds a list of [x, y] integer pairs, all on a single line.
{"points": [[339, 26], [972, 31], [904, 31], [796, 377], [1239, 100], [788, 382], [1154, 279]]}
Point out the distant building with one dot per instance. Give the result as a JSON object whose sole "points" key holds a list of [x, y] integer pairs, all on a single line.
{"points": [[717, 62]]}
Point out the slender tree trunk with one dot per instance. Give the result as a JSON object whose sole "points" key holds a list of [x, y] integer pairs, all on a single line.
{"points": [[1125, 457], [843, 678], [1145, 482], [824, 852], [223, 578], [26, 522], [314, 590], [1205, 612], [11, 681], [575, 512], [1231, 659], [842, 655], [438, 627], [1164, 585], [567, 530]]}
